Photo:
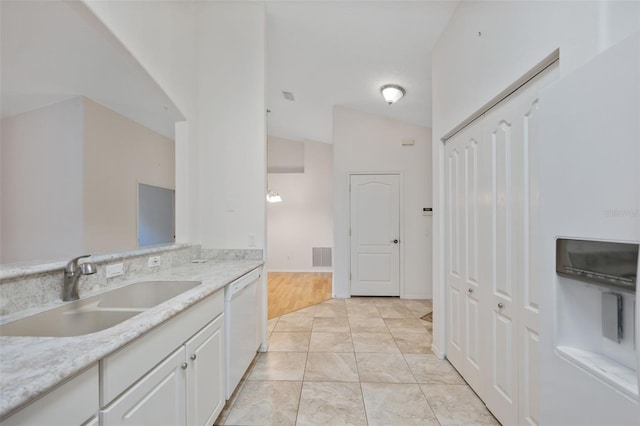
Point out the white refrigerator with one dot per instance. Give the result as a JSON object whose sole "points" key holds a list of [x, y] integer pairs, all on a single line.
{"points": [[589, 189]]}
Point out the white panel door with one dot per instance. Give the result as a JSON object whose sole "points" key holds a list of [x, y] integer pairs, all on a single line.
{"points": [[205, 375], [375, 235], [159, 398], [491, 292], [528, 301], [466, 290], [510, 129]]}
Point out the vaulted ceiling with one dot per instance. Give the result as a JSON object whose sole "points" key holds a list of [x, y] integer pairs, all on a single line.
{"points": [[330, 53]]}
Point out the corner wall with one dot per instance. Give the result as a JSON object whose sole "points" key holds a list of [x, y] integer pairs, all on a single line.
{"points": [[162, 36], [232, 124], [369, 143], [42, 153], [305, 217], [469, 69], [118, 154]]}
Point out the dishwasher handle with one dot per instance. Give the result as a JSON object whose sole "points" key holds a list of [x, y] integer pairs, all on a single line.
{"points": [[235, 287]]}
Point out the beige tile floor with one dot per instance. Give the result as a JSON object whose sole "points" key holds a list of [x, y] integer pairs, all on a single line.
{"points": [[359, 361]]}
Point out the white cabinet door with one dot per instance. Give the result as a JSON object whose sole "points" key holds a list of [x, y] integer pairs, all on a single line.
{"points": [[74, 402], [156, 399], [205, 374], [375, 235]]}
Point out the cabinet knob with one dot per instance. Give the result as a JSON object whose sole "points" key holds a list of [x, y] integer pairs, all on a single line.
{"points": [[500, 305], [470, 290], [193, 357], [184, 365]]}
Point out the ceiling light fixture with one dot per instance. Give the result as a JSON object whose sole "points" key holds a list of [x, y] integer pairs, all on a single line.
{"points": [[392, 93], [273, 198]]}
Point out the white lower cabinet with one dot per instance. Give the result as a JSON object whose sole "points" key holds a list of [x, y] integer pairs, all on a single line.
{"points": [[186, 388], [156, 399], [173, 375], [72, 403]]}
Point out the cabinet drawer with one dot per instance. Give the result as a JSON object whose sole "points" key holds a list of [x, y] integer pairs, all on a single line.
{"points": [[72, 403], [125, 366]]}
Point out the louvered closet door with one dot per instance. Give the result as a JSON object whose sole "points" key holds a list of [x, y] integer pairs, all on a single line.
{"points": [[465, 288]]}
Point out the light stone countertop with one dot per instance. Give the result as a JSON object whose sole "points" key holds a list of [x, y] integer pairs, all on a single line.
{"points": [[31, 366]]}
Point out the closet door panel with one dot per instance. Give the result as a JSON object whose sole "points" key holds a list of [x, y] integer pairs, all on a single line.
{"points": [[464, 283]]}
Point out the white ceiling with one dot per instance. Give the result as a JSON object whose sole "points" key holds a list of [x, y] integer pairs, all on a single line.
{"points": [[52, 51], [340, 53]]}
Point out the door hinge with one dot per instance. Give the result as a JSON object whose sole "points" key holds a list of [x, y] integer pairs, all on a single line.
{"points": [[349, 231], [349, 276], [349, 187]]}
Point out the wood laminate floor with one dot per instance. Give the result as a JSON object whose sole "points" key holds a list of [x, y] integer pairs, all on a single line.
{"points": [[290, 291]]}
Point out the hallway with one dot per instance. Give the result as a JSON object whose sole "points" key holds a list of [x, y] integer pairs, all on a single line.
{"points": [[359, 361]]}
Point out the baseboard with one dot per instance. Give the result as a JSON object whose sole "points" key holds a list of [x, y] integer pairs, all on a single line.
{"points": [[420, 296], [437, 352], [301, 270]]}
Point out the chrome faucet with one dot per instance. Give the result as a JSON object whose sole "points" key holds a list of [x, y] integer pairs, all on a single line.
{"points": [[71, 275]]}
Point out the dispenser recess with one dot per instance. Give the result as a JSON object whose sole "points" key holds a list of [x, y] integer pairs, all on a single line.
{"points": [[605, 263]]}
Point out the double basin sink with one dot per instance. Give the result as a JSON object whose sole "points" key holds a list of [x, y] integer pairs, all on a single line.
{"points": [[98, 312]]}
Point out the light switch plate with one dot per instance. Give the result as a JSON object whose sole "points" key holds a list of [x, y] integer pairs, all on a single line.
{"points": [[114, 270]]}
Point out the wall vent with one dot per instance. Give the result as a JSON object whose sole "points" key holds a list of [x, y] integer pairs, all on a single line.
{"points": [[321, 256]]}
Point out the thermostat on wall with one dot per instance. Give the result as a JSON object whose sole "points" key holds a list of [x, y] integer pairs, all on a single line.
{"points": [[427, 211]]}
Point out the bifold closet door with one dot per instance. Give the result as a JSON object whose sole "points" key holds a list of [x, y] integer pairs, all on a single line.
{"points": [[510, 131], [491, 292], [465, 289]]}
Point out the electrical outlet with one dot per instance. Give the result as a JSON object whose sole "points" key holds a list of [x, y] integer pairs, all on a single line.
{"points": [[114, 270], [252, 240], [153, 261]]}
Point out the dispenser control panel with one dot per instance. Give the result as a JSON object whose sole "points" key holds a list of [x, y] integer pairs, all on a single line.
{"points": [[606, 263]]}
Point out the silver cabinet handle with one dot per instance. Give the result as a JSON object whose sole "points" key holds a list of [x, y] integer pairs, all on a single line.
{"points": [[500, 305], [184, 365], [470, 290], [193, 357]]}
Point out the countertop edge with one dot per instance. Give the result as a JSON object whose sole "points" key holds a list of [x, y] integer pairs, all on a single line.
{"points": [[72, 355]]}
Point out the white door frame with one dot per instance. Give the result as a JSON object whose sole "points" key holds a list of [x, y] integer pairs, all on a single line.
{"points": [[401, 218]]}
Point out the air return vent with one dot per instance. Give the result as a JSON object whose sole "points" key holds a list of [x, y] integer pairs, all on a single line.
{"points": [[321, 256]]}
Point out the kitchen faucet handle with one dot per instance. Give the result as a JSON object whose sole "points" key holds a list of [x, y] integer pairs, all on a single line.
{"points": [[71, 266]]}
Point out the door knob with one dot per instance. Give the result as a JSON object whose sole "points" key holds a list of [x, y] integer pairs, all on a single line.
{"points": [[470, 290], [500, 305], [396, 241], [184, 365], [193, 357]]}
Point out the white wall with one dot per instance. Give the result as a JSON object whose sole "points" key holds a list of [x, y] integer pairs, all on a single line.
{"points": [[162, 36], [118, 154], [232, 124], [369, 143], [209, 57], [305, 217], [469, 70], [285, 156], [42, 183]]}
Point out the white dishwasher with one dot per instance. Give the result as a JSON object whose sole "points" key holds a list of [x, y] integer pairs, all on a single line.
{"points": [[241, 326]]}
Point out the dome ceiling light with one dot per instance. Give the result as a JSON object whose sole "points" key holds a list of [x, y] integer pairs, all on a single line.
{"points": [[392, 93]]}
